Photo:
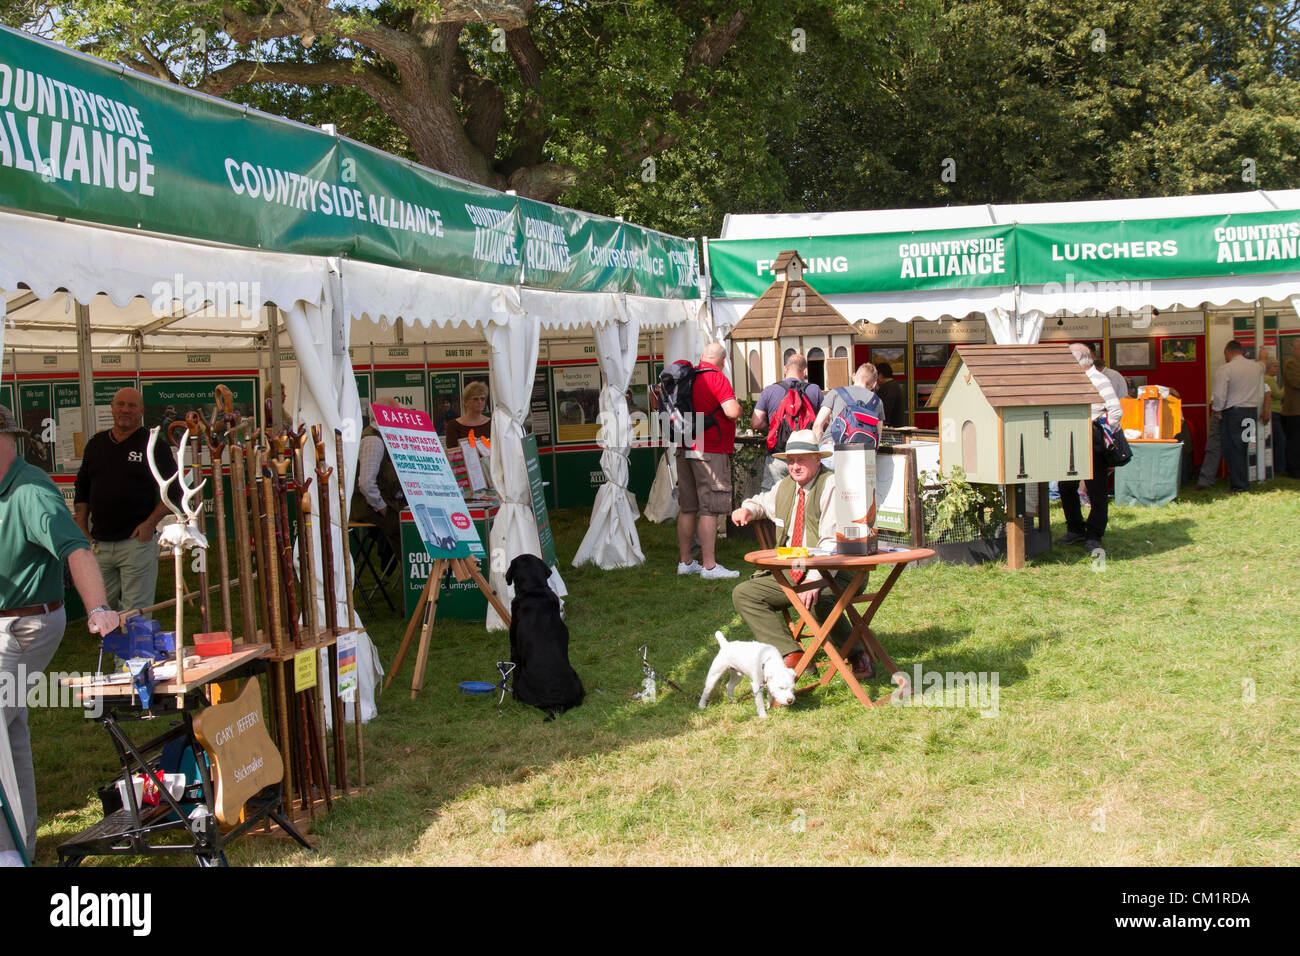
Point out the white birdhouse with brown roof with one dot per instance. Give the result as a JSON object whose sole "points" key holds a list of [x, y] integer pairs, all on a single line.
{"points": [[1010, 414], [791, 316]]}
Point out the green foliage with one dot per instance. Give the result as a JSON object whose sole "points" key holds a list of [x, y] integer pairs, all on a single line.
{"points": [[957, 504]]}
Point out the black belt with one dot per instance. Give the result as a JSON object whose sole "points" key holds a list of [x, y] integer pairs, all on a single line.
{"points": [[32, 609]]}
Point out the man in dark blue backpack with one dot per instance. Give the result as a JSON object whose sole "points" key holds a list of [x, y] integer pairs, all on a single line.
{"points": [[783, 408], [858, 396]]}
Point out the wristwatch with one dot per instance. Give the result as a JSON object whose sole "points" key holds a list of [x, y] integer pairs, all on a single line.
{"points": [[96, 610]]}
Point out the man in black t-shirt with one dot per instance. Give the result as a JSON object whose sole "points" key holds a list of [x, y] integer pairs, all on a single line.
{"points": [[891, 395], [117, 503]]}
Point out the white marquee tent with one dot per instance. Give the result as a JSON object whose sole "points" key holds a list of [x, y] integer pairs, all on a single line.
{"points": [[1015, 312]]}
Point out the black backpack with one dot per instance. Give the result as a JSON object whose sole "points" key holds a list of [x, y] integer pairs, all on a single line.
{"points": [[794, 413], [672, 399]]}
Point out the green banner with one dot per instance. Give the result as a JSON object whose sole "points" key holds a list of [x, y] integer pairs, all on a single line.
{"points": [[1151, 249], [880, 262], [1028, 254], [86, 140]]}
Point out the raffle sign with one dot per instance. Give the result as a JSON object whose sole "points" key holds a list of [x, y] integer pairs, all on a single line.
{"points": [[432, 494]]}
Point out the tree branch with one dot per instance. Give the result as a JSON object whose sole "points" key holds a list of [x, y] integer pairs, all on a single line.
{"points": [[338, 72]]}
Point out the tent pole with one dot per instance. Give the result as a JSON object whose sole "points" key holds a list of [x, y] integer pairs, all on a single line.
{"points": [[1259, 328], [85, 371]]}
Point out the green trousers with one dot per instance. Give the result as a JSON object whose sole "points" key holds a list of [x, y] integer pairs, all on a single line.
{"points": [[759, 601]]}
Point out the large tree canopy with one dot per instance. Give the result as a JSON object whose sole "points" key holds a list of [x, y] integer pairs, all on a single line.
{"points": [[536, 96], [674, 112]]}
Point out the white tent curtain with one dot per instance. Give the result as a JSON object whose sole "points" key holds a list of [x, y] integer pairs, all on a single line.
{"points": [[1011, 329], [512, 368], [327, 395], [611, 540]]}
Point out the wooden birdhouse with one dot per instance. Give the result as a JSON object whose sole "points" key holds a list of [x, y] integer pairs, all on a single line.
{"points": [[1011, 414], [791, 316]]}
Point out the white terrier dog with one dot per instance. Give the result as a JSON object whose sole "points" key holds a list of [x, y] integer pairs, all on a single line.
{"points": [[761, 663]]}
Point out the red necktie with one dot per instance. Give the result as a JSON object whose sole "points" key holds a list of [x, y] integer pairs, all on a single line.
{"points": [[796, 535]]}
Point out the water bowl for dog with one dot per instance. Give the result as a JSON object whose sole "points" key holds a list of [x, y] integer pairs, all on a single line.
{"points": [[477, 687]]}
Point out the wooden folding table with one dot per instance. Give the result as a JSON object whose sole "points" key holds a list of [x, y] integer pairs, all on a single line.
{"points": [[846, 597]]}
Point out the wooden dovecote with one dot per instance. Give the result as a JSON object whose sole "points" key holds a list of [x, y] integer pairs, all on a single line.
{"points": [[1010, 414], [790, 316]]}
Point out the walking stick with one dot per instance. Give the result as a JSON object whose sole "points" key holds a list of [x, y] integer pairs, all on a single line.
{"points": [[193, 425], [313, 731], [179, 532], [306, 548], [271, 585], [326, 530], [218, 437], [347, 583], [247, 587]]}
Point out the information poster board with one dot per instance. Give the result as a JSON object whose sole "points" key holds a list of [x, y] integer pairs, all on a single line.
{"points": [[543, 518], [168, 400], [577, 402], [444, 399], [400, 388], [539, 411], [70, 436], [36, 412], [432, 494]]}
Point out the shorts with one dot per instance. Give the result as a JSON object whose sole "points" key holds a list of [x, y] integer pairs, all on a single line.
{"points": [[704, 484]]}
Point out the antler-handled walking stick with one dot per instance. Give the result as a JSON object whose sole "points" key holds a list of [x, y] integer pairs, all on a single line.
{"points": [[179, 532], [194, 425], [347, 585]]}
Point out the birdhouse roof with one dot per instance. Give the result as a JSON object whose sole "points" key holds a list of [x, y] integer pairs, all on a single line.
{"points": [[790, 308], [785, 258], [1007, 375]]}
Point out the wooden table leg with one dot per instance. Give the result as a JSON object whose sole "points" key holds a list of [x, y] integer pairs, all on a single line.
{"points": [[862, 621], [821, 632]]}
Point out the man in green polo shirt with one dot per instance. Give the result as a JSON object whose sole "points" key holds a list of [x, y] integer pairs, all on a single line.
{"points": [[37, 535]]}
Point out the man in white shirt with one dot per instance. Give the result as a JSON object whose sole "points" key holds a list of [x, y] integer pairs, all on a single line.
{"points": [[1237, 394], [378, 498], [1107, 411], [801, 505]]}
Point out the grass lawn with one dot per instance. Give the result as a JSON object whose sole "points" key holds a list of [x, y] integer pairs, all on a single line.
{"points": [[1146, 714]]}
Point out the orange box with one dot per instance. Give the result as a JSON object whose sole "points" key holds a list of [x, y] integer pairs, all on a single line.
{"points": [[213, 644], [1158, 419]]}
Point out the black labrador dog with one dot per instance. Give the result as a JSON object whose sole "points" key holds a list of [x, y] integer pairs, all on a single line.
{"points": [[539, 641]]}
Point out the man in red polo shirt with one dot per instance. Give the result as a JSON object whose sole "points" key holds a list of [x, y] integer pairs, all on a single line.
{"points": [[704, 472]]}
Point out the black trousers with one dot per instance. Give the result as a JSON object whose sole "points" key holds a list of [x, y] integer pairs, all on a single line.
{"points": [[1095, 526]]}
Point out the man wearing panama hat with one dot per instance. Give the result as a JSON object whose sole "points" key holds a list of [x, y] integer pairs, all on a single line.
{"points": [[37, 534], [801, 506]]}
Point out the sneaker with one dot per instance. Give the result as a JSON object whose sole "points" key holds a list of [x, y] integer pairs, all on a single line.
{"points": [[1092, 544], [1072, 537], [693, 568], [717, 571]]}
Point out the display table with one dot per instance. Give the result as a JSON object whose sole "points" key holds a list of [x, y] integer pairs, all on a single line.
{"points": [[859, 566], [136, 829], [1152, 477]]}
